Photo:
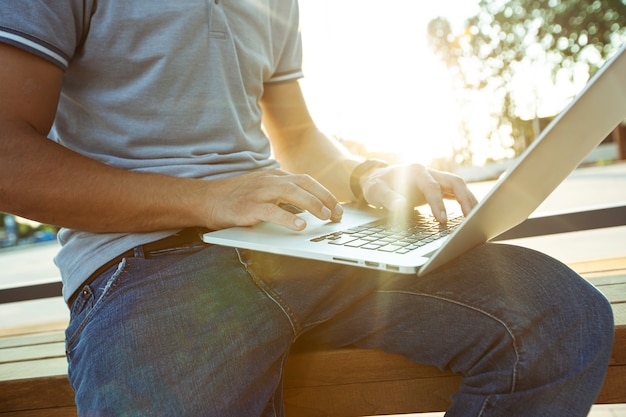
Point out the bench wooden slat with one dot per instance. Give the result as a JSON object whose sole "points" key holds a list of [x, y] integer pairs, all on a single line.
{"points": [[48, 412], [614, 389], [361, 399], [357, 382], [38, 394], [310, 367], [33, 369], [25, 353], [32, 338], [619, 312], [614, 292], [599, 266], [606, 280]]}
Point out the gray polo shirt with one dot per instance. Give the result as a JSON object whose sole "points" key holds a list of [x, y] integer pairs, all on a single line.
{"points": [[160, 86]]}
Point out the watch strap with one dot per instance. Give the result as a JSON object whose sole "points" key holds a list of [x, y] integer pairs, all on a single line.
{"points": [[359, 171]]}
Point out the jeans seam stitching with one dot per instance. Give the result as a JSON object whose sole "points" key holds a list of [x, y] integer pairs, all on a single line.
{"points": [[275, 298], [483, 312], [483, 408]]}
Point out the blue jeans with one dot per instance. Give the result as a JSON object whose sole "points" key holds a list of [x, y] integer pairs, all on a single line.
{"points": [[205, 331]]}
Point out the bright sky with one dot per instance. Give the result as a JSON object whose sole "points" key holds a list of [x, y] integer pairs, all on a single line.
{"points": [[371, 77]]}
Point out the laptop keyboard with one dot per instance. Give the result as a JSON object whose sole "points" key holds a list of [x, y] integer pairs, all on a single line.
{"points": [[384, 236]]}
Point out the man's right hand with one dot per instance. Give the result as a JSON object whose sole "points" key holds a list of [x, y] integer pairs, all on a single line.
{"points": [[248, 199]]}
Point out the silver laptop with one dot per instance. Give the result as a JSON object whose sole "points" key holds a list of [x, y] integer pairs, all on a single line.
{"points": [[365, 238]]}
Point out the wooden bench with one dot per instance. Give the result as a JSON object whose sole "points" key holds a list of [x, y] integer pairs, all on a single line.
{"points": [[343, 382]]}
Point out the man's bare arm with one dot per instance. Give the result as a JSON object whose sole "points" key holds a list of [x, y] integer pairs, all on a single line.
{"points": [[299, 145], [44, 181]]}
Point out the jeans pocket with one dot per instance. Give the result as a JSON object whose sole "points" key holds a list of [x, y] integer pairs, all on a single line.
{"points": [[88, 300]]}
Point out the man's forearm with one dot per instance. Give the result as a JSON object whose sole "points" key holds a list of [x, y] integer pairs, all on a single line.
{"points": [[299, 145], [43, 181], [316, 154]]}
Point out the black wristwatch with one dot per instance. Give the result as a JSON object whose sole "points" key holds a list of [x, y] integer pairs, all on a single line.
{"points": [[358, 172]]}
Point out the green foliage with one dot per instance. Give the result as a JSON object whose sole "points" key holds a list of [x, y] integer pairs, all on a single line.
{"points": [[15, 231], [507, 37]]}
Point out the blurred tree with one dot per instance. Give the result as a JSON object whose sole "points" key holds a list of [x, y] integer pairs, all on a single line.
{"points": [[16, 231], [509, 46]]}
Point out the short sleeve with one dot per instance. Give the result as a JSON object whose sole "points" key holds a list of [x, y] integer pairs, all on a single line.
{"points": [[50, 29], [289, 51]]}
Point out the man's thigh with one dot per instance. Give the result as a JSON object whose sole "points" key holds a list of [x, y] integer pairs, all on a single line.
{"points": [[177, 335], [521, 327]]}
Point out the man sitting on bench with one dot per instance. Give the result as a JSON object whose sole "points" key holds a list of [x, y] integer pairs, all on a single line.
{"points": [[133, 124]]}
